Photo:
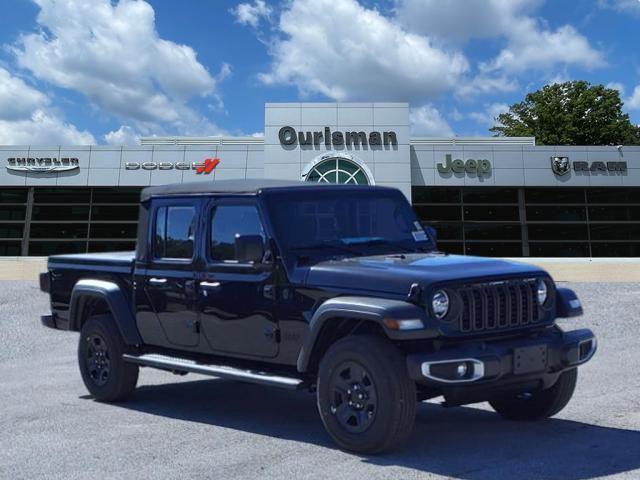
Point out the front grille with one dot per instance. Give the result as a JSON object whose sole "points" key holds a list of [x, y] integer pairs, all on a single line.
{"points": [[498, 305]]}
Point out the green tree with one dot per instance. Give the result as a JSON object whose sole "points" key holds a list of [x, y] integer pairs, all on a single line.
{"points": [[570, 113]]}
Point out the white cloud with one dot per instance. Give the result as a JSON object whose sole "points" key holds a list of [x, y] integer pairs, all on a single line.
{"points": [[459, 21], [488, 117], [633, 102], [17, 99], [623, 6], [427, 121], [483, 84], [251, 14], [529, 43], [125, 135], [532, 48], [616, 86], [42, 128], [26, 117], [356, 53], [113, 55]]}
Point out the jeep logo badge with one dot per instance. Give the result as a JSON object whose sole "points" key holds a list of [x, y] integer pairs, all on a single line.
{"points": [[470, 166], [560, 165]]}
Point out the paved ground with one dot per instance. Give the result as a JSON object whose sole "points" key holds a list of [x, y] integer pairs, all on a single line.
{"points": [[191, 427]]}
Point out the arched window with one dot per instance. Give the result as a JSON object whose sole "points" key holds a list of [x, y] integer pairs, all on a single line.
{"points": [[338, 170]]}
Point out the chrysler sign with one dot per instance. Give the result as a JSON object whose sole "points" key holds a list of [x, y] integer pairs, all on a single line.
{"points": [[42, 164]]}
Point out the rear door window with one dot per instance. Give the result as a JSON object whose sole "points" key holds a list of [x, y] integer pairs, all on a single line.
{"points": [[174, 232]]}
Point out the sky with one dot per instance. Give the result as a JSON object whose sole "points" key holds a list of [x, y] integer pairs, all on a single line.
{"points": [[76, 72]]}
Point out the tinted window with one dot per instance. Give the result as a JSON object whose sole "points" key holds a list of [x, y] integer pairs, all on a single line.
{"points": [[13, 195], [11, 249], [554, 195], [492, 231], [115, 213], [613, 195], [61, 212], [228, 222], [557, 214], [12, 213], [438, 212], [490, 195], [116, 195], [557, 231], [55, 248], [58, 230], [435, 195], [491, 212], [61, 195], [113, 230], [11, 230], [174, 232]]}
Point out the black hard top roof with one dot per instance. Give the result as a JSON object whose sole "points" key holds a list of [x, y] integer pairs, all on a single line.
{"points": [[232, 187]]}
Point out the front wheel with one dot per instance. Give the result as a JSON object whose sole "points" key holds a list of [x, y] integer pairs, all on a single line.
{"points": [[538, 405], [366, 400], [105, 374]]}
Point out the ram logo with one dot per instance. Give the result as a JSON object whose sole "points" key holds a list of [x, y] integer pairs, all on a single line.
{"points": [[560, 165]]}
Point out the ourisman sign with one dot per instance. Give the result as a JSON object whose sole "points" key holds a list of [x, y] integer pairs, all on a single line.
{"points": [[288, 136]]}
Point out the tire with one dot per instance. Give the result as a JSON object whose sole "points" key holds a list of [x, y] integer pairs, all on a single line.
{"points": [[372, 367], [105, 374], [541, 404]]}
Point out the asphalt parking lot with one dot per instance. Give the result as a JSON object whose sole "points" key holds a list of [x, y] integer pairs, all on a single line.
{"points": [[194, 427]]}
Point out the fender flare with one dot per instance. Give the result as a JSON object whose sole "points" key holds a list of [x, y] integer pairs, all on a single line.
{"points": [[362, 308], [114, 298]]}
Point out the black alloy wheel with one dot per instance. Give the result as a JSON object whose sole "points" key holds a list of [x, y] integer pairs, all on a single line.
{"points": [[104, 372], [97, 359], [355, 399]]}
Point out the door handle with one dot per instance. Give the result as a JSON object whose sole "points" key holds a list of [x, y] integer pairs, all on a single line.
{"points": [[157, 281], [210, 284]]}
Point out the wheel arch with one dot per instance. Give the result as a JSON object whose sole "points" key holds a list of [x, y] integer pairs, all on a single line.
{"points": [[342, 316], [99, 296]]}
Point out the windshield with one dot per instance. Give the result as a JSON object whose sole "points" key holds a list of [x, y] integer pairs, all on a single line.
{"points": [[349, 221]]}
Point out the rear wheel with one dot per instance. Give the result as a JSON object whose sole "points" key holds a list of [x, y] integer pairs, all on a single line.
{"points": [[105, 374], [541, 404], [366, 401]]}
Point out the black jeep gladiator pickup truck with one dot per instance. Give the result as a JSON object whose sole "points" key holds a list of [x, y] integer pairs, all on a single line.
{"points": [[332, 288]]}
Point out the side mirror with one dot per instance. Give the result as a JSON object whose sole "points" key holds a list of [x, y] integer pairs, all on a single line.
{"points": [[249, 248], [432, 233]]}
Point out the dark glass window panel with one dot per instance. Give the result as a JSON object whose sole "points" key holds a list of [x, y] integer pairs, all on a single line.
{"points": [[116, 195], [114, 213], [13, 195], [558, 213], [491, 212], [10, 249], [60, 212], [12, 213], [557, 231], [61, 195], [111, 246], [435, 195], [175, 227], [563, 249], [615, 213], [490, 195], [599, 249], [500, 249], [554, 195], [438, 213], [492, 231], [613, 195], [228, 222], [58, 230], [455, 248], [447, 231], [615, 231], [113, 230], [11, 230], [54, 248]]}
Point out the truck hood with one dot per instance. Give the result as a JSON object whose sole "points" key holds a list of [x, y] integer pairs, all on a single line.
{"points": [[395, 273]]}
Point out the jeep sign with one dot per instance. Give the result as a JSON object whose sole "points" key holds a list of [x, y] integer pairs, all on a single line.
{"points": [[470, 166]]}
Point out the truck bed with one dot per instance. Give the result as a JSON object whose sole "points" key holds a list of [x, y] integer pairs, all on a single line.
{"points": [[106, 262]]}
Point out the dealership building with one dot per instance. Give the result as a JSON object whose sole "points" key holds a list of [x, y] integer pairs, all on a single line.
{"points": [[484, 195]]}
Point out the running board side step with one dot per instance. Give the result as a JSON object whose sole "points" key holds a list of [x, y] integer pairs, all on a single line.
{"points": [[164, 362]]}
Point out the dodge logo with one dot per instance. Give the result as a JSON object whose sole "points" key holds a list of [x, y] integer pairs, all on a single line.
{"points": [[560, 165]]}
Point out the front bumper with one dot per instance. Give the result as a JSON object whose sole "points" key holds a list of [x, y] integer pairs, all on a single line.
{"points": [[538, 360]]}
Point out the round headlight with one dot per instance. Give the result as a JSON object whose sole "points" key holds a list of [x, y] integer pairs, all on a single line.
{"points": [[541, 288], [440, 303]]}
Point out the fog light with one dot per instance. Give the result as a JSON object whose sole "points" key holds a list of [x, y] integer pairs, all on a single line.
{"points": [[461, 370]]}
